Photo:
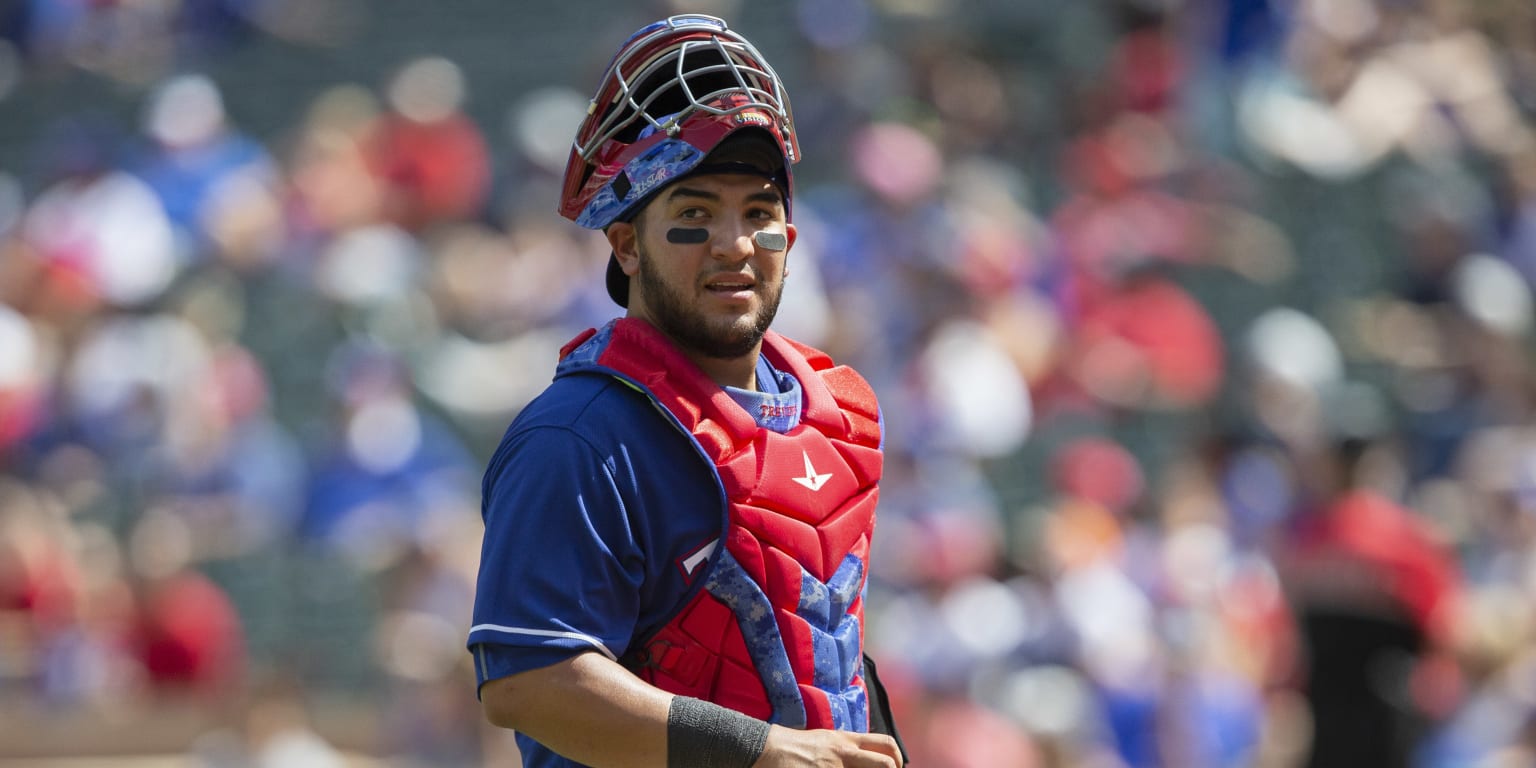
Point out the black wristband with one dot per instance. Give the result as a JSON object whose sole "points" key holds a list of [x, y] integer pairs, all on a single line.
{"points": [[701, 733]]}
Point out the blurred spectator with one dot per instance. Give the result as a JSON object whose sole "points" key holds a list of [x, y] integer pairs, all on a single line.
{"points": [[389, 468], [431, 158], [97, 234], [1374, 592], [332, 185], [23, 377], [189, 637], [195, 157], [1145, 343]]}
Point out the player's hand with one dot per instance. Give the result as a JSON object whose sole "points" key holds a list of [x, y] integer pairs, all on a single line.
{"points": [[791, 748]]}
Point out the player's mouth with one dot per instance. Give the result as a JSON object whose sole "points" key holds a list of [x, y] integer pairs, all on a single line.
{"points": [[731, 287]]}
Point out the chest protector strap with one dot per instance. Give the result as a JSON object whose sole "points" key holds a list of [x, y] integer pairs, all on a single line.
{"points": [[774, 627]]}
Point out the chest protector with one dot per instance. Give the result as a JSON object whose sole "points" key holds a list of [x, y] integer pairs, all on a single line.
{"points": [[773, 627]]}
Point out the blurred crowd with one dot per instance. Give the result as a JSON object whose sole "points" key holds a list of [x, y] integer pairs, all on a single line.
{"points": [[1203, 330]]}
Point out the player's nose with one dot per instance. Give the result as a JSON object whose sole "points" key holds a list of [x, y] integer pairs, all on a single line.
{"points": [[732, 242]]}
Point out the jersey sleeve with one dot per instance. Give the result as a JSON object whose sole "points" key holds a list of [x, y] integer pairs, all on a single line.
{"points": [[560, 569]]}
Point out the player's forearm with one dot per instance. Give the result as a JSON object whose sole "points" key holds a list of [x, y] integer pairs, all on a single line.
{"points": [[592, 710], [588, 709]]}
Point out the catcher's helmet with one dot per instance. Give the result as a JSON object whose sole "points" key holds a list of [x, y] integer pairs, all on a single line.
{"points": [[674, 91]]}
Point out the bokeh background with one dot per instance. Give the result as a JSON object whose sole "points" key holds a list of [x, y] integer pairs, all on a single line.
{"points": [[1203, 330]]}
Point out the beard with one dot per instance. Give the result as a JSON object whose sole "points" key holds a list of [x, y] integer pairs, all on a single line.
{"points": [[721, 339]]}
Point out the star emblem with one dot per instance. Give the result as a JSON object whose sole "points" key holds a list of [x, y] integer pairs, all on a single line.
{"points": [[812, 480]]}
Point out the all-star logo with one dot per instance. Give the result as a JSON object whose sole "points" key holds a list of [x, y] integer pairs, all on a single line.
{"points": [[812, 479]]}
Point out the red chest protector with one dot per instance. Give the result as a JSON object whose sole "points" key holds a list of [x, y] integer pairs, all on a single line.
{"points": [[775, 629]]}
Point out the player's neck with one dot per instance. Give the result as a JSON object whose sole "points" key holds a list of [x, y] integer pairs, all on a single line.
{"points": [[739, 372]]}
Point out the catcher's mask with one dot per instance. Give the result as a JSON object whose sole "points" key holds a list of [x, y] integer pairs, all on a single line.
{"points": [[674, 92]]}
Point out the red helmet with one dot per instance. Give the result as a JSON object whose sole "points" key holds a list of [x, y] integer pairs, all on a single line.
{"points": [[673, 92]]}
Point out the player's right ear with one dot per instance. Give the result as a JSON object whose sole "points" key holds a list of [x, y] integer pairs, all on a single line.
{"points": [[624, 241]]}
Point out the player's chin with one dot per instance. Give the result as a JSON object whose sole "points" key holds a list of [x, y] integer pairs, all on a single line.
{"points": [[741, 328], [742, 311], [734, 338]]}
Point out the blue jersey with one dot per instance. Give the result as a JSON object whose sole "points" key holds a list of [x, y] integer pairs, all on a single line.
{"points": [[599, 512]]}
